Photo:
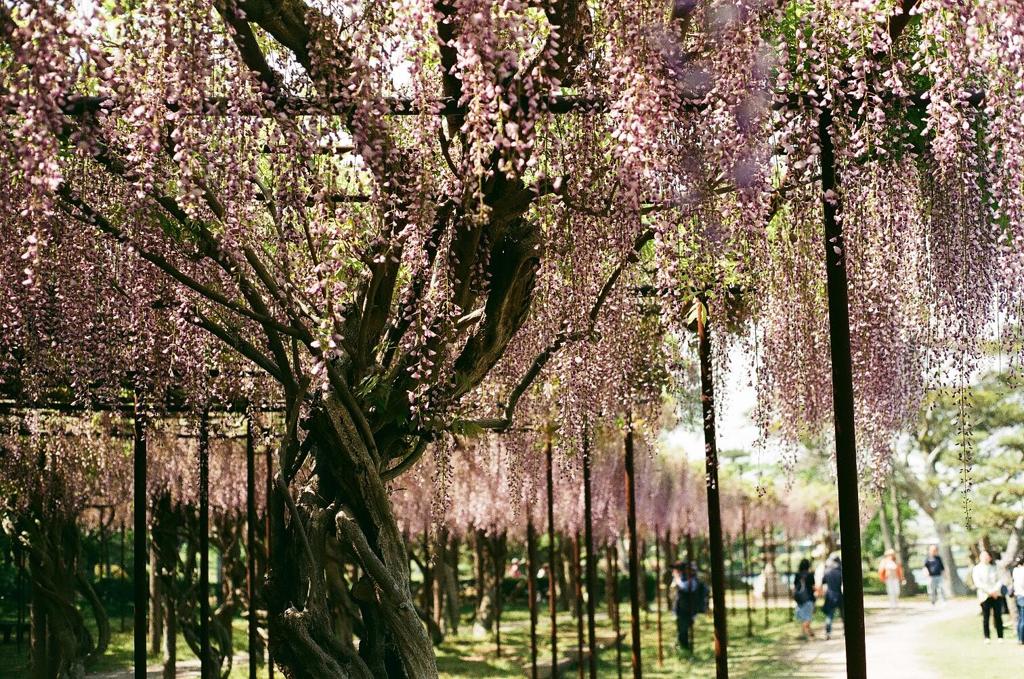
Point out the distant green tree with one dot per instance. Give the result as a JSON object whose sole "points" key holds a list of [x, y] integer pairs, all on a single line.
{"points": [[963, 466]]}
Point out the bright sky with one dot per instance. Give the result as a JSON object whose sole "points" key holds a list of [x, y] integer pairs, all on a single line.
{"points": [[735, 428]]}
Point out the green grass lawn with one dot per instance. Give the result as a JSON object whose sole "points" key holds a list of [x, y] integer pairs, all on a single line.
{"points": [[120, 654], [762, 654], [956, 649]]}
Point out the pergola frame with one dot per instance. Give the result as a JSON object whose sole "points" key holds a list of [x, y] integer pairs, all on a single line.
{"points": [[838, 307], [141, 414]]}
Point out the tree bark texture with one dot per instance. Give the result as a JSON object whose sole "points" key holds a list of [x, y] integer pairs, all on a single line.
{"points": [[62, 643], [346, 502], [155, 605]]}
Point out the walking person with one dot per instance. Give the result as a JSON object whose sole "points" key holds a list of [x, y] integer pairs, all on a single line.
{"points": [[933, 564], [990, 594], [691, 598], [832, 592], [803, 596], [1018, 594], [890, 571]]}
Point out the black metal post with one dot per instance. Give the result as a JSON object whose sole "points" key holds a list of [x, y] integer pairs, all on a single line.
{"points": [[657, 592], [789, 569], [19, 562], [634, 553], [617, 619], [746, 567], [842, 402], [124, 570], [250, 539], [731, 539], [498, 577], [578, 577], [266, 512], [531, 588], [765, 560], [707, 399], [588, 538], [553, 605], [139, 558], [670, 558], [206, 670]]}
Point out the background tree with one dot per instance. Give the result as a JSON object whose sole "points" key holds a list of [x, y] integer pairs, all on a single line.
{"points": [[54, 470], [962, 464]]}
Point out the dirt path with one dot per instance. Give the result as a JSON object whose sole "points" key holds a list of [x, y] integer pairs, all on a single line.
{"points": [[892, 637]]}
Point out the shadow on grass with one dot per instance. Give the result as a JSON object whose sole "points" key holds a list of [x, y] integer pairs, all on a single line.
{"points": [[764, 654]]}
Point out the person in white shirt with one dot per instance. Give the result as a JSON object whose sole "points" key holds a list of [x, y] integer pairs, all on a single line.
{"points": [[1018, 593], [990, 595]]}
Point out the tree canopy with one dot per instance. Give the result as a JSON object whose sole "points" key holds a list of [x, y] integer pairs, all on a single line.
{"points": [[397, 220]]}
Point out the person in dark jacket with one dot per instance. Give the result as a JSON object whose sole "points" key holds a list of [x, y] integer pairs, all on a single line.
{"points": [[933, 564], [832, 590], [803, 595], [691, 598]]}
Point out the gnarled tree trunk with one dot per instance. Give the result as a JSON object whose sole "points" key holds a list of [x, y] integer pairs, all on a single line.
{"points": [[166, 525], [483, 623], [453, 589], [909, 587], [954, 583], [928, 501], [346, 501], [155, 604], [446, 589], [563, 572], [61, 642]]}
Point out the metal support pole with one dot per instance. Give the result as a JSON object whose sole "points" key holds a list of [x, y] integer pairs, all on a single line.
{"points": [[789, 570], [842, 402], [588, 538], [498, 577], [124, 570], [657, 593], [19, 562], [553, 605], [634, 553], [764, 570], [140, 578], [707, 398], [206, 670], [670, 558], [746, 568], [250, 539], [616, 619], [731, 539], [531, 588], [578, 576], [266, 512]]}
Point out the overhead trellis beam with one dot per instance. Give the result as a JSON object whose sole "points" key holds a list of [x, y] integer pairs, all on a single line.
{"points": [[84, 104], [8, 406], [75, 105]]}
